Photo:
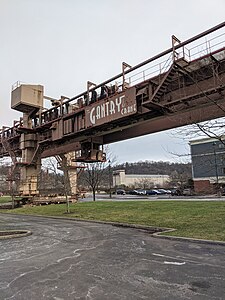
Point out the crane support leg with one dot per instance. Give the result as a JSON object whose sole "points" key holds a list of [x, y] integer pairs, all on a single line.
{"points": [[29, 180], [29, 168]]}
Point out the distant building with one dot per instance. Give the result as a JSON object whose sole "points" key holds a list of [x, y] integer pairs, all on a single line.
{"points": [[133, 180], [208, 164]]}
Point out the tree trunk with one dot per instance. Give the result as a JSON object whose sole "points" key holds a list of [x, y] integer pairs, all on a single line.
{"points": [[93, 191], [67, 204]]}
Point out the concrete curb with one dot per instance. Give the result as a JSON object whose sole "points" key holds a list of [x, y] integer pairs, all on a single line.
{"points": [[14, 234], [150, 229], [185, 239]]}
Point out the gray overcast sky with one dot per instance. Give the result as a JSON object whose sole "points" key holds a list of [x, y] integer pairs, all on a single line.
{"points": [[63, 43]]}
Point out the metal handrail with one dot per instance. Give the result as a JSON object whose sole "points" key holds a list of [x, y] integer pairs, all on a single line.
{"points": [[154, 58], [198, 36], [180, 48]]}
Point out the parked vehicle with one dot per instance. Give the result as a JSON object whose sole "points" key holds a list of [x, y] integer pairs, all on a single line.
{"points": [[176, 192], [187, 192], [132, 192], [137, 192], [152, 192], [141, 192], [120, 192], [180, 192], [164, 192]]}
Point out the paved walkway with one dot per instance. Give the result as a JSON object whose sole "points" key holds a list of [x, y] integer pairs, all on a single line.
{"points": [[65, 259]]}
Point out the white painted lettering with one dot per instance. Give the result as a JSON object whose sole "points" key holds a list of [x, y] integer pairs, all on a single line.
{"points": [[112, 108], [98, 112], [115, 106], [119, 102], [107, 108], [103, 110], [92, 116]]}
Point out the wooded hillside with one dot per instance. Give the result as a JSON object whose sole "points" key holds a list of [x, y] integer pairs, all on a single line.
{"points": [[154, 167]]}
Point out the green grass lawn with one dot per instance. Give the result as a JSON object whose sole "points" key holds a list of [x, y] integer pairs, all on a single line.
{"points": [[5, 199], [197, 219]]}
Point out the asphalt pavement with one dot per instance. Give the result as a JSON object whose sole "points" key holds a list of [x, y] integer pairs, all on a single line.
{"points": [[65, 259]]}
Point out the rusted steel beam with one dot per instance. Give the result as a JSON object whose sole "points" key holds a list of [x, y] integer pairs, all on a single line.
{"points": [[64, 147], [160, 123]]}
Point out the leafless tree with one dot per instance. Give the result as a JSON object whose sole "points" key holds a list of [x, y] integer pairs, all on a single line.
{"points": [[9, 179], [144, 183], [62, 160], [4, 172], [212, 129], [95, 172], [53, 175], [179, 179], [61, 164]]}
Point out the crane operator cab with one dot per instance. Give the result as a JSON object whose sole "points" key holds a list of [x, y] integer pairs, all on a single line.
{"points": [[90, 152]]}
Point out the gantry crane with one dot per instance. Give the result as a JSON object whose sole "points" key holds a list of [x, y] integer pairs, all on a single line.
{"points": [[182, 85]]}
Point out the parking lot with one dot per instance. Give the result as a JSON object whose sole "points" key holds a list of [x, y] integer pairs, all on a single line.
{"points": [[168, 197], [65, 259]]}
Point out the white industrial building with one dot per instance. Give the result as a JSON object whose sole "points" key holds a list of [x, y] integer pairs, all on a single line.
{"points": [[132, 180]]}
